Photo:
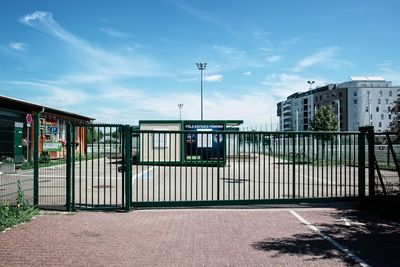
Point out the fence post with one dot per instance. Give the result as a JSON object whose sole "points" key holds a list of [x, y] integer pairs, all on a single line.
{"points": [[68, 171], [371, 160], [36, 160], [128, 167], [361, 161], [294, 164]]}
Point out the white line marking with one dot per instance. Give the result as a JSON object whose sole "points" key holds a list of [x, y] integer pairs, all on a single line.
{"points": [[343, 249], [140, 174]]}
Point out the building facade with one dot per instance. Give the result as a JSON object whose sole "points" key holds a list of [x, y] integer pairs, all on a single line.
{"points": [[361, 101], [17, 135]]}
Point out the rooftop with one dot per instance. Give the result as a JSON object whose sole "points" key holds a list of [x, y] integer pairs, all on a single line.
{"points": [[367, 78], [24, 106]]}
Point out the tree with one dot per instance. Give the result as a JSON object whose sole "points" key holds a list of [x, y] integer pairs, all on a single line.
{"points": [[395, 123], [324, 121], [92, 135]]}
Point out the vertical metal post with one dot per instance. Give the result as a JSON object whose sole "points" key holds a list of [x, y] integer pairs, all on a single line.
{"points": [[371, 160], [201, 70], [68, 171], [361, 162], [201, 67], [128, 167], [36, 160], [294, 165]]}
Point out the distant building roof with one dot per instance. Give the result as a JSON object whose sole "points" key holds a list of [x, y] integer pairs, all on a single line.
{"points": [[367, 78], [24, 106]]}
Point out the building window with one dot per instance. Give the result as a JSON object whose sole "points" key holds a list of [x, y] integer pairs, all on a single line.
{"points": [[371, 116], [355, 101], [379, 101], [380, 124], [389, 109], [387, 101], [390, 93], [377, 109], [355, 93], [340, 94], [380, 93], [390, 116], [381, 116]]}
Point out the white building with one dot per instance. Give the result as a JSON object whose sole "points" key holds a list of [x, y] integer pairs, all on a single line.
{"points": [[362, 101], [370, 99]]}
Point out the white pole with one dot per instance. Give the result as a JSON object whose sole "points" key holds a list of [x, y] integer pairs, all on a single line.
{"points": [[369, 109], [28, 133]]}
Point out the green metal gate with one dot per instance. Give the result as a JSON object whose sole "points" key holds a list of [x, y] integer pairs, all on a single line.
{"points": [[96, 166], [246, 167], [119, 167]]}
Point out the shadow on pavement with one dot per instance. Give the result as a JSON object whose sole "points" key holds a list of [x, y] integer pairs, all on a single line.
{"points": [[372, 235]]}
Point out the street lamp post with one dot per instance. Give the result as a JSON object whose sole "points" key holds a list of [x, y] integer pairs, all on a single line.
{"points": [[201, 67], [180, 106], [310, 83]]}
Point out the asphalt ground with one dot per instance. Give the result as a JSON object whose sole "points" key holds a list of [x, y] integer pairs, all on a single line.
{"points": [[339, 235]]}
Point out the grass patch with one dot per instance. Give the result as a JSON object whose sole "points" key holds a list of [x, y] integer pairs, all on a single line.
{"points": [[11, 215]]}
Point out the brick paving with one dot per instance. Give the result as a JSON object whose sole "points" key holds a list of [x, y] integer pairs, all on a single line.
{"points": [[173, 237]]}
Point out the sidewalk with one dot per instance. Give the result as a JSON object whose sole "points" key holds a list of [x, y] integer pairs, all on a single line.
{"points": [[199, 237]]}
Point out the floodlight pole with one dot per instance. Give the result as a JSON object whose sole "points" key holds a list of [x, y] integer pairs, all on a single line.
{"points": [[180, 106], [201, 67], [310, 83]]}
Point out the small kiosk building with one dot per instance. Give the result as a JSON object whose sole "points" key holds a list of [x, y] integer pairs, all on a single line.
{"points": [[184, 141]]}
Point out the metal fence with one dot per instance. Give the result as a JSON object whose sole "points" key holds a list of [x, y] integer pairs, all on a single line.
{"points": [[13, 169], [97, 167], [179, 167], [387, 167], [119, 167]]}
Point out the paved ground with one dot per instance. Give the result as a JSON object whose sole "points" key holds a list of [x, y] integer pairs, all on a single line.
{"points": [[203, 237]]}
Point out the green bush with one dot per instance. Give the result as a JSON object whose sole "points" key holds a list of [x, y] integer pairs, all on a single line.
{"points": [[44, 157], [15, 214]]}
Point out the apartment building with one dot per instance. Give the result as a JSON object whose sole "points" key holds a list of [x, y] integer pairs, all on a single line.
{"points": [[361, 101]]}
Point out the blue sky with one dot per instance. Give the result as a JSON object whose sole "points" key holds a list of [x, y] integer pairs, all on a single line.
{"points": [[122, 61]]}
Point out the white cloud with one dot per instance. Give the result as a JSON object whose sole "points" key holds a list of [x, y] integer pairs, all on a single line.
{"points": [[213, 78], [274, 58], [230, 51], [18, 46], [292, 41], [114, 34], [53, 95], [247, 73], [185, 80], [42, 16], [256, 107], [389, 72], [325, 58], [132, 47], [96, 61], [282, 85]]}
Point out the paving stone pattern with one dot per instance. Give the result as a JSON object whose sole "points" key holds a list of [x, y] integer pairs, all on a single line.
{"points": [[186, 237]]}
